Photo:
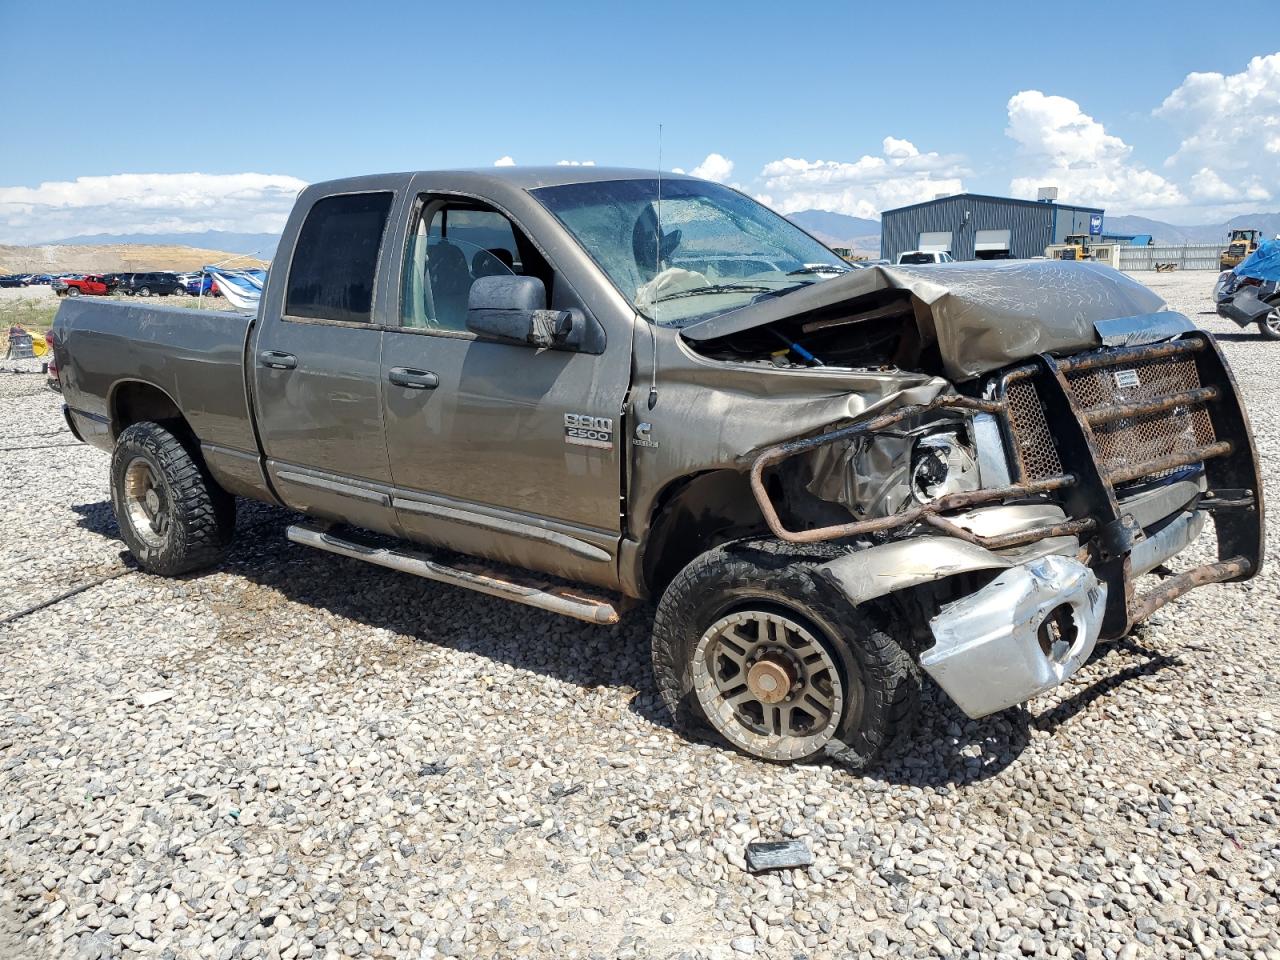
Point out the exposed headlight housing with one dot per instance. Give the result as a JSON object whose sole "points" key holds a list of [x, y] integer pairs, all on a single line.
{"points": [[941, 464]]}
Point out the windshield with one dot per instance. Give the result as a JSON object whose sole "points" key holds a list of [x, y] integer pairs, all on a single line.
{"points": [[716, 250]]}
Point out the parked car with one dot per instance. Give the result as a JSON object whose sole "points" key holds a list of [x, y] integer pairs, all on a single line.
{"points": [[16, 280], [43, 279], [153, 284], [91, 285], [917, 257], [826, 482], [202, 285], [118, 281], [1249, 293]]}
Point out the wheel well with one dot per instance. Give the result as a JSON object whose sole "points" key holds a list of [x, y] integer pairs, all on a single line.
{"points": [[691, 516], [133, 402]]}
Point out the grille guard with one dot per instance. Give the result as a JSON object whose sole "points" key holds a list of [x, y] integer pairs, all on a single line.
{"points": [[1087, 492]]}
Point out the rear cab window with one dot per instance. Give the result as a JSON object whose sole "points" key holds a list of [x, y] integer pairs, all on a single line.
{"points": [[335, 260]]}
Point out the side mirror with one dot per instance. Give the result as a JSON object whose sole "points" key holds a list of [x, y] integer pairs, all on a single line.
{"points": [[513, 310]]}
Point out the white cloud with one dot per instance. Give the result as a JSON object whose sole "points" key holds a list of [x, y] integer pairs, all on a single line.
{"points": [[575, 163], [504, 162], [1230, 128], [130, 203], [715, 167], [1061, 145], [862, 187]]}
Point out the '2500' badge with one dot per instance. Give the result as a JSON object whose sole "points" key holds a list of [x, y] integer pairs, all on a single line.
{"points": [[588, 431]]}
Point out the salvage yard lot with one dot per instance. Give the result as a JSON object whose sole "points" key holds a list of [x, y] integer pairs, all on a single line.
{"points": [[353, 762]]}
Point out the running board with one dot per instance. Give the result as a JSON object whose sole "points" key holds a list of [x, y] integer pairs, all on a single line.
{"points": [[544, 596]]}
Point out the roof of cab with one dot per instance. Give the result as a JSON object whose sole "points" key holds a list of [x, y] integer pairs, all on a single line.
{"points": [[526, 178]]}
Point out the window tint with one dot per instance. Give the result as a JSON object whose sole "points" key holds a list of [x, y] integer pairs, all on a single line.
{"points": [[336, 257]]}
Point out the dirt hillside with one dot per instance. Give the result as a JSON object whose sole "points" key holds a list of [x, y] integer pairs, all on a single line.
{"points": [[112, 257]]}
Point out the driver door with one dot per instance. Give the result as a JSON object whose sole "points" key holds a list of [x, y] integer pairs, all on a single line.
{"points": [[480, 457]]}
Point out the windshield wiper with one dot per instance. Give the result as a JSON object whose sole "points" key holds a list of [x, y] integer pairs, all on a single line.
{"points": [[717, 288], [819, 268]]}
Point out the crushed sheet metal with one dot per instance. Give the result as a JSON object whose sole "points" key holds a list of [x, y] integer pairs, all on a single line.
{"points": [[874, 572], [1134, 331], [988, 654], [983, 315]]}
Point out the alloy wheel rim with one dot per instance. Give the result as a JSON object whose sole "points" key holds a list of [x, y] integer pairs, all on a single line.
{"points": [[768, 684], [146, 502], [1273, 321]]}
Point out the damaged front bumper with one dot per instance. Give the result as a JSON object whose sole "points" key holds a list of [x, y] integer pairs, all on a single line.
{"points": [[1020, 635], [1136, 445]]}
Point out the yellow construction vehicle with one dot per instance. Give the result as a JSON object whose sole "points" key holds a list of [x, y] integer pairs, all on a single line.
{"points": [[1075, 247], [1240, 245]]}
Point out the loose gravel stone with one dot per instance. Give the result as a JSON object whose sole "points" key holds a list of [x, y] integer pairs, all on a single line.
{"points": [[359, 763]]}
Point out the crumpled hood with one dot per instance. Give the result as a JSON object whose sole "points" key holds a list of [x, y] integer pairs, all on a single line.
{"points": [[983, 315]]}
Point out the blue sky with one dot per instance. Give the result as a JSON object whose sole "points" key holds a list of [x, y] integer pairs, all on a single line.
{"points": [[852, 108]]}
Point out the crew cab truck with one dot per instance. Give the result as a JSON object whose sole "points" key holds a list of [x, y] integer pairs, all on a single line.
{"points": [[91, 285], [571, 386]]}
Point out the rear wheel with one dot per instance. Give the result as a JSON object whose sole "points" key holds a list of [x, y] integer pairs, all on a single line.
{"points": [[172, 515], [1270, 324], [752, 644]]}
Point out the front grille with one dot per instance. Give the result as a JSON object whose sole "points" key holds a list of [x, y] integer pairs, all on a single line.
{"points": [[1119, 442], [1035, 448]]}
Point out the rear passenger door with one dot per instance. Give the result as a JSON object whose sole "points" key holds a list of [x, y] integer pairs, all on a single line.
{"points": [[317, 391]]}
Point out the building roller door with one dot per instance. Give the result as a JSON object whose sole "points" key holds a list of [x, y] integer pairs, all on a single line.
{"points": [[939, 242]]}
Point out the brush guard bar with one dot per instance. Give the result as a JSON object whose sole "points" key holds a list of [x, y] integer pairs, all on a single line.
{"points": [[1087, 492]]}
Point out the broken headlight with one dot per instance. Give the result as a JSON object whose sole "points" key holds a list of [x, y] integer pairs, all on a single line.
{"points": [[941, 464], [880, 474]]}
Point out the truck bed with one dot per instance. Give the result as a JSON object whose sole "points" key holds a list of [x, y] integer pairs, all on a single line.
{"points": [[195, 357]]}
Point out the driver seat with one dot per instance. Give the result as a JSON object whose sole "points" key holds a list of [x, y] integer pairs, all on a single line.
{"points": [[450, 284]]}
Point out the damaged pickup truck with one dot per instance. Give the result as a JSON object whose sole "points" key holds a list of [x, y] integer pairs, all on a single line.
{"points": [[571, 387]]}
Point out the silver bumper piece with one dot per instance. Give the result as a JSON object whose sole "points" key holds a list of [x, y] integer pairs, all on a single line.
{"points": [[1025, 632]]}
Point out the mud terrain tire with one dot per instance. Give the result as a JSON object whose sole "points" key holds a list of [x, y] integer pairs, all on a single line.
{"points": [[154, 475]]}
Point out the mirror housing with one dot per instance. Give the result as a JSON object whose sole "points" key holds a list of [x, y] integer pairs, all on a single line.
{"points": [[513, 309]]}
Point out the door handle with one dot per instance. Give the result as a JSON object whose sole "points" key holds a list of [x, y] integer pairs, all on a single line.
{"points": [[277, 360], [413, 379]]}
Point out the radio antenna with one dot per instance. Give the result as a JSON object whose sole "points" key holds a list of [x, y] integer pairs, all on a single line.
{"points": [[657, 265]]}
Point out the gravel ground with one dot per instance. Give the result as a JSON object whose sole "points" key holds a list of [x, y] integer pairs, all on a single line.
{"points": [[352, 762]]}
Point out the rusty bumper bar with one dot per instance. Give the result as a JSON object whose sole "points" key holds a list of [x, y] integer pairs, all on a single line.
{"points": [[1223, 570]]}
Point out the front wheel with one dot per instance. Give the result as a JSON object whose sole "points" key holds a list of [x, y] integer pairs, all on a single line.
{"points": [[172, 514], [750, 642], [73, 291], [1270, 324]]}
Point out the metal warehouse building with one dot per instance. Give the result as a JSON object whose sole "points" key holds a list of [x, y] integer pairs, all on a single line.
{"points": [[970, 226]]}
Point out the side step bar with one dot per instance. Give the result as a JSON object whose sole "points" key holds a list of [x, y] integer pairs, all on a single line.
{"points": [[544, 596]]}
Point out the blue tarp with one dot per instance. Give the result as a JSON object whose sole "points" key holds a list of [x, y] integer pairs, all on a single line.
{"points": [[1263, 263]]}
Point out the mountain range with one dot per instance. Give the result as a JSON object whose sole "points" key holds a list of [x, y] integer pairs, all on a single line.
{"points": [[261, 245], [833, 229], [840, 230]]}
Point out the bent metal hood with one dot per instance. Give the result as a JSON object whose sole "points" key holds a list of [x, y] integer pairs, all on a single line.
{"points": [[982, 316]]}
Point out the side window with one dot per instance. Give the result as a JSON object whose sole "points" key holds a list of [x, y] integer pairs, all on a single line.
{"points": [[336, 257], [450, 248]]}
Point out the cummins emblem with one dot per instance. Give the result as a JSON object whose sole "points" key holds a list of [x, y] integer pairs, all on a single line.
{"points": [[1126, 378], [642, 438], [586, 431]]}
